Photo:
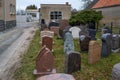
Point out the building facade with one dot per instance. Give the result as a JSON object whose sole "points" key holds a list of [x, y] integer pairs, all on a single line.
{"points": [[34, 13], [7, 14], [55, 12], [110, 10]]}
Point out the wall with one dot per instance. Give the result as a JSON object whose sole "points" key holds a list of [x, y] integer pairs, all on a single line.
{"points": [[111, 14], [47, 8]]}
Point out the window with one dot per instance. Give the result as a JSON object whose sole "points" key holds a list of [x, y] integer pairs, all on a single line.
{"points": [[0, 3], [55, 15], [12, 9]]}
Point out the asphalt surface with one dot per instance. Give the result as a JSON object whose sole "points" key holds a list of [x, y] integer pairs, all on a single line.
{"points": [[7, 38]]}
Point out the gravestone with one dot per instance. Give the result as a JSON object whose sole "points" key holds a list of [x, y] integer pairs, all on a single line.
{"points": [[116, 72], [53, 23], [83, 33], [119, 40], [63, 24], [94, 53], [106, 30], [75, 32], [47, 33], [84, 42], [58, 76], [115, 43], [68, 34], [68, 42], [106, 44], [44, 62], [68, 45], [92, 33], [47, 41], [55, 30], [72, 62], [61, 32]]}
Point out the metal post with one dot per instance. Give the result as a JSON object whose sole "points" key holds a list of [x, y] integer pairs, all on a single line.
{"points": [[5, 13], [111, 27]]}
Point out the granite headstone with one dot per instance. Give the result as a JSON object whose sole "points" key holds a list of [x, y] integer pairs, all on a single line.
{"points": [[115, 42], [106, 44], [44, 62], [116, 72], [72, 62], [47, 41], [84, 42]]}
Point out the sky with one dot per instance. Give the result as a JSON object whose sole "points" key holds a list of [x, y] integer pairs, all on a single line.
{"points": [[21, 4]]}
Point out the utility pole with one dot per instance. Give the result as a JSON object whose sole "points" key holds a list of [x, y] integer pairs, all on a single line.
{"points": [[5, 14]]}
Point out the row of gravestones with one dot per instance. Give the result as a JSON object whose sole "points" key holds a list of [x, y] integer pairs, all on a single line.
{"points": [[73, 59], [45, 60], [109, 42]]}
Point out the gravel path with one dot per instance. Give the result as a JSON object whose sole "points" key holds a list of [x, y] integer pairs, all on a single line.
{"points": [[9, 59]]}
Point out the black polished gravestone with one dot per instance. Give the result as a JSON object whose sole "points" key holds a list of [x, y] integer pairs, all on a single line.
{"points": [[106, 44], [92, 33], [115, 42], [72, 62], [84, 42]]}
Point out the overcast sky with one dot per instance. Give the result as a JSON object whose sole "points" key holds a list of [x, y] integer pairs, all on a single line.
{"points": [[21, 4]]}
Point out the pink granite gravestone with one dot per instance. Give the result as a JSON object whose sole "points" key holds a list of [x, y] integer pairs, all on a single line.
{"points": [[47, 41], [44, 62]]}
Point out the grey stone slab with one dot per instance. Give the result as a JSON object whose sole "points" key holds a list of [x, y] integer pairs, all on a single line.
{"points": [[106, 44], [75, 32], [115, 42], [116, 72]]}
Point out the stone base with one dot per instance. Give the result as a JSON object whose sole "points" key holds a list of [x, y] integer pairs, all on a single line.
{"points": [[43, 73], [58, 76], [115, 51]]}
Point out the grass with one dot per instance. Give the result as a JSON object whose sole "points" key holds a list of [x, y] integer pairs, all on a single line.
{"points": [[99, 71]]}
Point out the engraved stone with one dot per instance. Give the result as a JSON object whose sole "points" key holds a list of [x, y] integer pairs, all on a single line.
{"points": [[47, 41], [75, 32], [72, 62], [106, 44], [44, 62], [84, 42], [94, 53], [116, 72]]}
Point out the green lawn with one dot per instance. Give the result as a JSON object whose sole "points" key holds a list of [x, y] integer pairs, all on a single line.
{"points": [[99, 71]]}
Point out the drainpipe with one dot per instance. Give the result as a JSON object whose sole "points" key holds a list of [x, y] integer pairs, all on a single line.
{"points": [[5, 14]]}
